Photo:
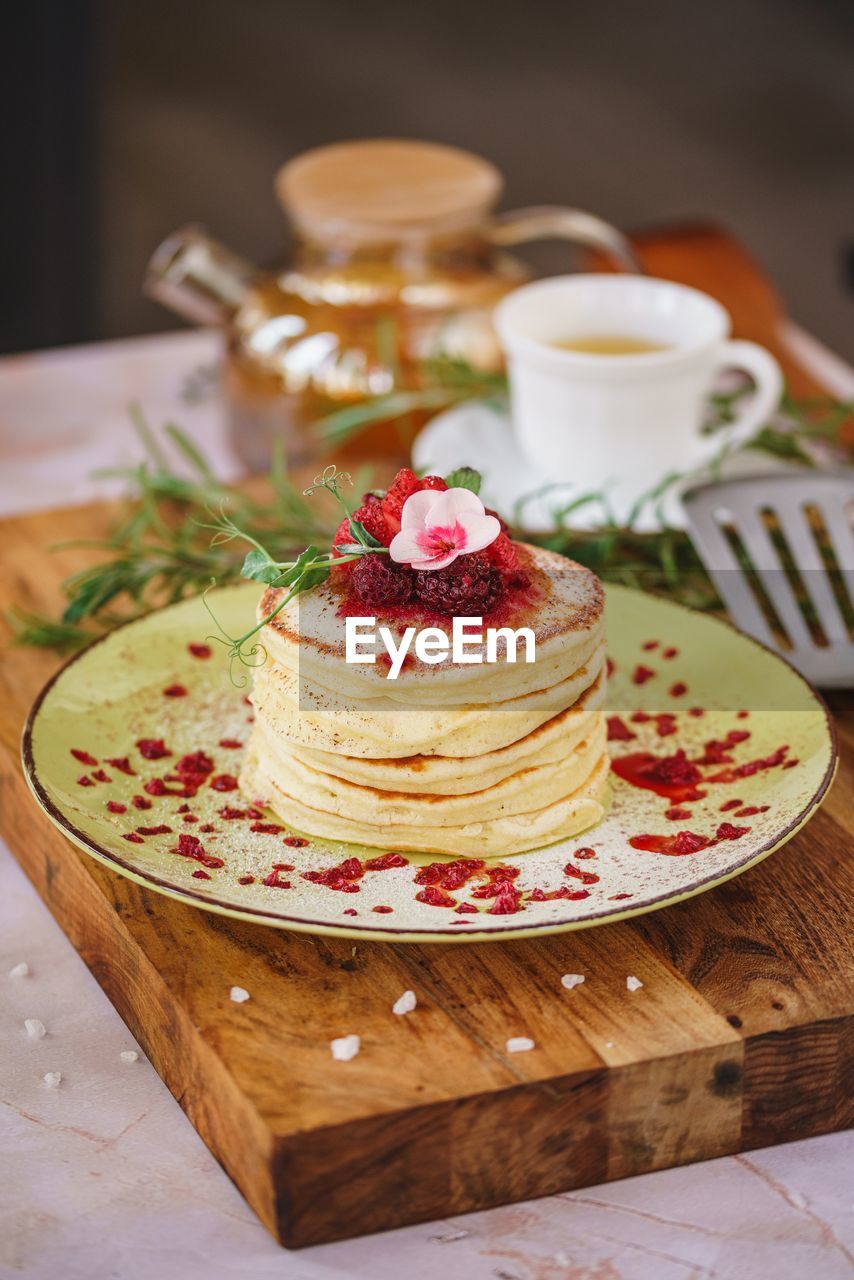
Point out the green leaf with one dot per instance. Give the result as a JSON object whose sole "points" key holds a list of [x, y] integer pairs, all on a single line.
{"points": [[259, 567], [361, 534], [464, 478]]}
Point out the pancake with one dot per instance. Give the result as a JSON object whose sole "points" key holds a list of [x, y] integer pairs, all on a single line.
{"points": [[563, 607], [380, 727], [458, 758], [526, 789], [495, 837], [458, 775]]}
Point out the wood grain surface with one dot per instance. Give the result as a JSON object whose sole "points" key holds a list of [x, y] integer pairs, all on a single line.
{"points": [[742, 1035]]}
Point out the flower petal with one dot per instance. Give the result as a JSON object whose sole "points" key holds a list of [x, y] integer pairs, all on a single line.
{"points": [[451, 504], [480, 530], [405, 546], [416, 508], [442, 561]]}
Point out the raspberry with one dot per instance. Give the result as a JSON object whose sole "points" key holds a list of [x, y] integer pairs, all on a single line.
{"points": [[468, 587], [377, 580], [405, 484]]}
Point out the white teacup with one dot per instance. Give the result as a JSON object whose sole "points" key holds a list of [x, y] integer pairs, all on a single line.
{"points": [[624, 422]]}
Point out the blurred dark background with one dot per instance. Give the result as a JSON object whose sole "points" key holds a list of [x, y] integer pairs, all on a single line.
{"points": [[124, 120]]}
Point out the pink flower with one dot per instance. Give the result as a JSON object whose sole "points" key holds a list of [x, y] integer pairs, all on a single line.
{"points": [[437, 527]]}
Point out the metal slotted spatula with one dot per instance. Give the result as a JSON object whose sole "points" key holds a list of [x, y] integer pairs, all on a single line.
{"points": [[780, 552]]}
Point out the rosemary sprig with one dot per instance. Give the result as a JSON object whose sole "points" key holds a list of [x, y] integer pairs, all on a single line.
{"points": [[161, 549]]}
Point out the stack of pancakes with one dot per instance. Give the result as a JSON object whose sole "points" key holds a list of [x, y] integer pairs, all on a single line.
{"points": [[485, 760]]}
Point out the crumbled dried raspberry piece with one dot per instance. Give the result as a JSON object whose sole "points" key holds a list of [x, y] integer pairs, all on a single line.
{"points": [[113, 806], [224, 782], [83, 756], [160, 830], [586, 877], [672, 770], [678, 689], [295, 842], [687, 842], [230, 744], [122, 764], [384, 862], [435, 897], [618, 730], [200, 650], [267, 828], [383, 910], [641, 674], [341, 878], [152, 749], [100, 776], [175, 691], [508, 900], [726, 831], [83, 781], [140, 802], [133, 838], [191, 847]]}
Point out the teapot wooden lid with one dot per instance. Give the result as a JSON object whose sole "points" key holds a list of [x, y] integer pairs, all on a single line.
{"points": [[386, 188]]}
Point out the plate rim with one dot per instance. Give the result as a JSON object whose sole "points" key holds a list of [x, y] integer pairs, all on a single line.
{"points": [[300, 924]]}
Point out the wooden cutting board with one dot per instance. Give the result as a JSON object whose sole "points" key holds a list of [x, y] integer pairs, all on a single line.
{"points": [[742, 1036]]}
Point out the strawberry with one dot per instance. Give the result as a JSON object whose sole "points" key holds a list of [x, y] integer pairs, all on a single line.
{"points": [[502, 554], [433, 482], [371, 516], [342, 536], [405, 484]]}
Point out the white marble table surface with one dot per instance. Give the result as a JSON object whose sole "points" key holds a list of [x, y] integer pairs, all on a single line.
{"points": [[104, 1177]]}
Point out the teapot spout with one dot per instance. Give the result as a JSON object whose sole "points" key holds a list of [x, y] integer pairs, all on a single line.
{"points": [[197, 277]]}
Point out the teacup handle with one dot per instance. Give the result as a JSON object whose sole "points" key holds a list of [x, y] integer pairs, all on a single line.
{"points": [[768, 378], [553, 222]]}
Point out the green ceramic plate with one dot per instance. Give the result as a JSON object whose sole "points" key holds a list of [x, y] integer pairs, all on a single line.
{"points": [[681, 682]]}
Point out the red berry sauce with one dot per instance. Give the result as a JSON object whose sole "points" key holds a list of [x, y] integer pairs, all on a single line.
{"points": [[674, 777]]}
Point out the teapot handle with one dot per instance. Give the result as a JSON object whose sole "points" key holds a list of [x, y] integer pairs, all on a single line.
{"points": [[553, 222]]}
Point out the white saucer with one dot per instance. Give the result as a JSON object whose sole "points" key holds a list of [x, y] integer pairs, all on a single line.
{"points": [[481, 435]]}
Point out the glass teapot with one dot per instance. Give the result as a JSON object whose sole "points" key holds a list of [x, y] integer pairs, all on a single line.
{"points": [[398, 261]]}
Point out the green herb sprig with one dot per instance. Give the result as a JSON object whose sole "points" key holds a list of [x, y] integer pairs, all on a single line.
{"points": [[307, 570], [161, 549]]}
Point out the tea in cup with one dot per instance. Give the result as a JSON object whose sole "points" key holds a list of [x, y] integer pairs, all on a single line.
{"points": [[609, 380]]}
